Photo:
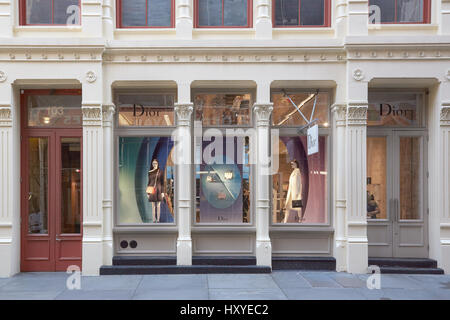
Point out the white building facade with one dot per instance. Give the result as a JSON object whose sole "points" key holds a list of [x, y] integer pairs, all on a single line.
{"points": [[91, 95]]}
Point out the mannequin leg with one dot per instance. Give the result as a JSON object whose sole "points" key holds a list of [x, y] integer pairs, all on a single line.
{"points": [[154, 211], [158, 215]]}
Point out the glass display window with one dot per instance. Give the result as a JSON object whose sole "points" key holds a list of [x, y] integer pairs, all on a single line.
{"points": [[223, 109], [145, 110], [146, 180], [223, 181], [299, 188], [313, 105]]}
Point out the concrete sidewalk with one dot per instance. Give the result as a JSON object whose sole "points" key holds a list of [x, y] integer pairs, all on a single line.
{"points": [[291, 285]]}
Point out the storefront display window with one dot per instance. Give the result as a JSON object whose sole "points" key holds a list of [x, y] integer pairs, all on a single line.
{"points": [[223, 181], [299, 188], [146, 180], [223, 109], [137, 110], [55, 111], [376, 177], [285, 114], [395, 109]]}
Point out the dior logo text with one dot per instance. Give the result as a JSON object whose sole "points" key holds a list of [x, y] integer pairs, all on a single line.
{"points": [[139, 111], [395, 110]]}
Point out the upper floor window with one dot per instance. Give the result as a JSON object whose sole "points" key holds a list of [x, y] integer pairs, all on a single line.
{"points": [[399, 11], [145, 13], [301, 13], [223, 13], [50, 12]]}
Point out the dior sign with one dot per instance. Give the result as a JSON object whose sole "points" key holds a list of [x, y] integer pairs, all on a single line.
{"points": [[139, 111], [401, 110]]}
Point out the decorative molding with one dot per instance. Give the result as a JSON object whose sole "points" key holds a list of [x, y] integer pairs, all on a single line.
{"points": [[91, 77], [445, 115], [340, 114], [263, 112], [397, 54], [5, 116], [184, 112], [92, 114], [357, 115], [3, 76], [108, 111], [358, 74]]}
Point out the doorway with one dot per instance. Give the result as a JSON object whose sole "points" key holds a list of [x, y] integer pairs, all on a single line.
{"points": [[396, 193], [51, 186]]}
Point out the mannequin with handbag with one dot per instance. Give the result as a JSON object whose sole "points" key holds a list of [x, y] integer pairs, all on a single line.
{"points": [[293, 207], [155, 190]]}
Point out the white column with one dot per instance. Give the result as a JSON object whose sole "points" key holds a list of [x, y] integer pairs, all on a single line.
{"points": [[7, 18], [107, 19], [7, 245], [340, 112], [444, 24], [184, 20], [262, 212], [355, 172], [341, 18], [357, 11], [263, 23], [445, 186], [108, 182], [184, 182], [92, 17], [92, 188]]}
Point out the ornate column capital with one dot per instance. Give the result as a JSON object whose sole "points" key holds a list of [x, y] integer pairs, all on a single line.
{"points": [[92, 114], [340, 114], [108, 111], [184, 112], [357, 114], [445, 114], [263, 112], [5, 115]]}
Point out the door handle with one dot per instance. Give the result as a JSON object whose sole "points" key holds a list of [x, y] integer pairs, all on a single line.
{"points": [[30, 195]]}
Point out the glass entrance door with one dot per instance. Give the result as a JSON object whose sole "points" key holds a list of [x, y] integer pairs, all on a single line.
{"points": [[396, 199], [51, 200]]}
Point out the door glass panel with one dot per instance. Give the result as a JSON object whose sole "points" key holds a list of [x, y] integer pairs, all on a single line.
{"points": [[376, 177], [410, 178], [38, 186], [70, 185]]}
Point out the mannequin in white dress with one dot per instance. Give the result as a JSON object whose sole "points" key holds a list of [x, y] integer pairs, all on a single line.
{"points": [[294, 193]]}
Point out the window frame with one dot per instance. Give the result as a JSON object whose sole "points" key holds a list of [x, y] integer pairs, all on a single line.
{"points": [[426, 19], [119, 17], [327, 17], [23, 16], [249, 17], [292, 131]]}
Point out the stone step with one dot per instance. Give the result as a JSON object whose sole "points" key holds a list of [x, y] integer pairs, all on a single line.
{"points": [[304, 263], [172, 260], [173, 269], [403, 262], [403, 270]]}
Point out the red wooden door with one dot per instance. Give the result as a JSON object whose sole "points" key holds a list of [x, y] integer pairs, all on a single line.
{"points": [[51, 198]]}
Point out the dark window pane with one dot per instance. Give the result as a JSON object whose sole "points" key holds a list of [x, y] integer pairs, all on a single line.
{"points": [[312, 12], [235, 12], [160, 13], [133, 13], [70, 185], [39, 11], [387, 9], [409, 10], [210, 12], [66, 12], [286, 12]]}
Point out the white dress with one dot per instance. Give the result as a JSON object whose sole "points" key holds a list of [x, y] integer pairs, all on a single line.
{"points": [[294, 193]]}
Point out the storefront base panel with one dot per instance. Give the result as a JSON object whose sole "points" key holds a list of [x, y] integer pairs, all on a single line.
{"points": [[157, 244], [220, 244], [301, 244]]}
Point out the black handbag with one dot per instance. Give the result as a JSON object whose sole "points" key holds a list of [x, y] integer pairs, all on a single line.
{"points": [[297, 204]]}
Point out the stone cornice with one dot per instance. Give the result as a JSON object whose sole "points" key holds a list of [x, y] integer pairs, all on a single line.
{"points": [[445, 114], [5, 115], [340, 114], [184, 112], [92, 114], [357, 114]]}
